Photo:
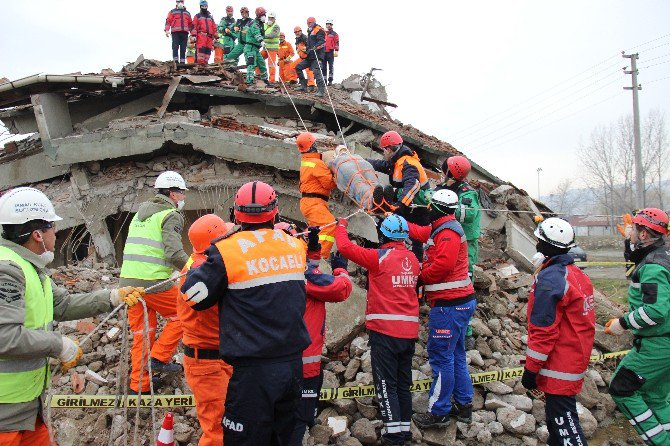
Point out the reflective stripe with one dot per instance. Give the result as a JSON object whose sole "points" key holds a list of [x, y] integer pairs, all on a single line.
{"points": [[666, 426], [448, 285], [635, 285], [645, 317], [141, 332], [145, 259], [654, 431], [307, 164], [21, 365], [311, 359], [404, 426], [436, 391], [462, 209], [642, 417], [145, 241], [391, 317], [536, 355], [633, 322], [392, 428], [328, 238], [245, 284], [562, 375], [381, 259]]}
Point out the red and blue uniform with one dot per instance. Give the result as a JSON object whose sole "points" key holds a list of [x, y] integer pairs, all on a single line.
{"points": [[179, 22], [204, 28]]}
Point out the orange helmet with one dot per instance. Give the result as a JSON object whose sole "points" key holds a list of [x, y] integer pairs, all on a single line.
{"points": [[297, 29], [652, 218], [458, 166], [205, 229], [390, 139], [255, 202], [305, 141]]}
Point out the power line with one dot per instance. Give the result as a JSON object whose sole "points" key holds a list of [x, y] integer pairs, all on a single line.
{"points": [[657, 80], [648, 42], [655, 64]]}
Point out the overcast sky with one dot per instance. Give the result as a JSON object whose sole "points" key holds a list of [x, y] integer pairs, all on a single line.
{"points": [[515, 85]]}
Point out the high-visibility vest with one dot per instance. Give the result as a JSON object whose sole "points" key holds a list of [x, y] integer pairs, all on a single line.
{"points": [[144, 253], [271, 43], [23, 380], [396, 179]]}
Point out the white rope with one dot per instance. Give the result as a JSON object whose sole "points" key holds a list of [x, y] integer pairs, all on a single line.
{"points": [[333, 223], [524, 212], [325, 85], [274, 64]]}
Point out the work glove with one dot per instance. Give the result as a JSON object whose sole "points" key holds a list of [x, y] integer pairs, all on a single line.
{"points": [[343, 222], [313, 239], [338, 261], [627, 226], [528, 379], [69, 354], [334, 53], [167, 33], [130, 295], [538, 219], [613, 327]]}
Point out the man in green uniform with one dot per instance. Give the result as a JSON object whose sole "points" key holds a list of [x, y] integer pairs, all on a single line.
{"points": [[640, 386], [238, 34], [226, 41], [252, 49]]}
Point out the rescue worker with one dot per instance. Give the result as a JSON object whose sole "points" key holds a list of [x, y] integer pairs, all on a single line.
{"points": [[451, 296], [204, 29], [301, 49], [239, 33], [392, 319], [561, 328], [455, 170], [206, 373], [408, 176], [190, 50], [254, 38], [226, 41], [179, 23], [332, 49], [316, 184], [316, 47], [640, 385], [320, 288], [271, 32], [257, 276], [153, 251], [30, 302], [285, 55]]}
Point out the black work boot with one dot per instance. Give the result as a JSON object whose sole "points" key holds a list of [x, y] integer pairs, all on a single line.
{"points": [[320, 93], [302, 87], [428, 420], [462, 412]]}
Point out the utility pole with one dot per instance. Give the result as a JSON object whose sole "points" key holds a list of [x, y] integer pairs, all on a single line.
{"points": [[639, 175], [539, 169]]}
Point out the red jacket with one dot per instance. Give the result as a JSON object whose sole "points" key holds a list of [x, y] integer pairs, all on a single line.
{"points": [[444, 273], [332, 41], [204, 24], [321, 288], [561, 326], [179, 20], [393, 305]]}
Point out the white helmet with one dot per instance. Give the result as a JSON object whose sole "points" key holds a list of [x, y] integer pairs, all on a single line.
{"points": [[557, 232], [272, 15], [444, 199], [24, 204], [169, 180], [329, 21]]}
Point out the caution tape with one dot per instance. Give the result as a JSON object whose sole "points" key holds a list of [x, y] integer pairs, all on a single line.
{"points": [[171, 401]]}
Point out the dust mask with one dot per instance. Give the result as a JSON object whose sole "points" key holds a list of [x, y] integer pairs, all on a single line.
{"points": [[538, 259], [262, 19], [180, 205], [47, 256]]}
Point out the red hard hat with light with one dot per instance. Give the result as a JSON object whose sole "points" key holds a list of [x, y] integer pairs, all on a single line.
{"points": [[229, 9], [458, 166], [255, 202], [390, 139], [652, 218], [205, 229], [260, 11], [305, 141], [244, 9]]}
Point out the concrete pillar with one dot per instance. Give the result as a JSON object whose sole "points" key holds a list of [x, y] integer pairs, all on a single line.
{"points": [[53, 118]]}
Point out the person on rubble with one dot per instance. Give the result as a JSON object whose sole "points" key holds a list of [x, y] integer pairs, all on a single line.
{"points": [[316, 185], [226, 41], [272, 32], [408, 177], [320, 288], [190, 50], [239, 33], [455, 170], [257, 276], [301, 49], [316, 47], [640, 385], [451, 296], [152, 253], [255, 38], [332, 50], [179, 23], [30, 302], [285, 54], [391, 317], [206, 373], [561, 329], [204, 29]]}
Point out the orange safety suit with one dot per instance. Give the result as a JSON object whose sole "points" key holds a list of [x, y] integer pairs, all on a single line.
{"points": [[302, 52], [207, 377], [38, 437], [286, 53], [316, 184]]}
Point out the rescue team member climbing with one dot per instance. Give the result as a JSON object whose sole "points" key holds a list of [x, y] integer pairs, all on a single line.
{"points": [[29, 304], [179, 23], [204, 30], [640, 385], [320, 288], [206, 373], [226, 41], [449, 291], [316, 184], [257, 276], [153, 251], [391, 317], [561, 328]]}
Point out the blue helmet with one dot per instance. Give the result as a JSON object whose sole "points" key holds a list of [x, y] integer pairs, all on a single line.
{"points": [[203, 3], [395, 227]]}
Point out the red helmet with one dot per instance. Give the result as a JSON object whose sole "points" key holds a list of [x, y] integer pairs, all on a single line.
{"points": [[458, 166], [205, 229], [311, 20], [260, 11], [653, 218], [255, 202], [244, 9], [288, 228], [390, 139], [305, 141], [297, 29], [229, 9]]}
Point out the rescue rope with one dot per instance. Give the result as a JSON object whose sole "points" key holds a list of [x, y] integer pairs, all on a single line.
{"points": [[325, 85], [122, 381], [146, 348], [274, 64], [334, 222]]}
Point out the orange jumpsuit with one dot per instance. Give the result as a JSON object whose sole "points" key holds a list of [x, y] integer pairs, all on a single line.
{"points": [[302, 52], [38, 437], [207, 378], [286, 73], [316, 184]]}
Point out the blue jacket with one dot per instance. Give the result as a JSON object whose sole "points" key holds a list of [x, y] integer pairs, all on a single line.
{"points": [[410, 174]]}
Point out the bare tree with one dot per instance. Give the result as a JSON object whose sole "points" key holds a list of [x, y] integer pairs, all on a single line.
{"points": [[565, 198], [655, 141]]}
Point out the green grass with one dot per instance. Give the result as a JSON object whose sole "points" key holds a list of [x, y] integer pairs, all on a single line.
{"points": [[615, 289]]}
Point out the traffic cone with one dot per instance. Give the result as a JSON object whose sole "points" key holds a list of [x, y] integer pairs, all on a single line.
{"points": [[166, 435]]}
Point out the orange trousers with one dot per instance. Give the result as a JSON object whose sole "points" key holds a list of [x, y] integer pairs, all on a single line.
{"points": [[208, 378], [310, 75], [38, 437], [162, 349], [272, 65], [286, 71], [218, 54], [317, 213], [190, 59]]}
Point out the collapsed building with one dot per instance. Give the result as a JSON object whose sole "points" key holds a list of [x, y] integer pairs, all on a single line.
{"points": [[99, 140]]}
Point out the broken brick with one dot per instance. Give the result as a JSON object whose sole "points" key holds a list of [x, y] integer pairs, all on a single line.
{"points": [[78, 382], [85, 327]]}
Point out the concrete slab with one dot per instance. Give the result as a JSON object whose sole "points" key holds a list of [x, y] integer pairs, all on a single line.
{"points": [[53, 118], [520, 245], [345, 320], [132, 108], [30, 169]]}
